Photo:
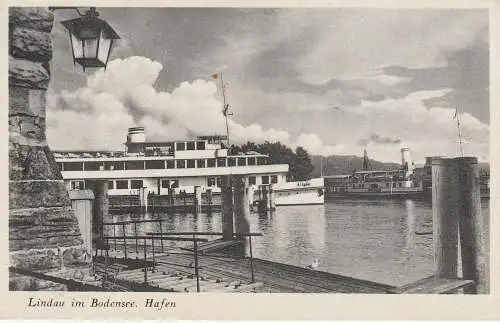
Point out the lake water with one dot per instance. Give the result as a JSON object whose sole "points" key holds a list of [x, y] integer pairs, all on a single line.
{"points": [[369, 239]]}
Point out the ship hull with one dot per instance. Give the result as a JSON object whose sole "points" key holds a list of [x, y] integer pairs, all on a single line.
{"points": [[300, 193], [376, 195]]}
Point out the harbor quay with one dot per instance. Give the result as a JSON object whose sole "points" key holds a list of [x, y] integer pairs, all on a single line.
{"points": [[200, 214]]}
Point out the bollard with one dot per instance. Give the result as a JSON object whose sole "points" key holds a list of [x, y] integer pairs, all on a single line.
{"points": [[227, 208], [474, 261], [445, 217]]}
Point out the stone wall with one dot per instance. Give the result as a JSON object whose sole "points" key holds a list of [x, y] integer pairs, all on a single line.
{"points": [[43, 231]]}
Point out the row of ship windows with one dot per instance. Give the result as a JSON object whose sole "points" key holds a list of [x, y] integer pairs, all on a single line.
{"points": [[125, 184], [387, 185], [162, 164]]}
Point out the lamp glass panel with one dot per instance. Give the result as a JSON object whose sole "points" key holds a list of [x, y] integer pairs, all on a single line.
{"points": [[104, 48], [77, 45], [90, 47]]}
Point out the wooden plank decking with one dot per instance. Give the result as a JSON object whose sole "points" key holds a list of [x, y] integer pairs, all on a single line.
{"points": [[175, 272]]}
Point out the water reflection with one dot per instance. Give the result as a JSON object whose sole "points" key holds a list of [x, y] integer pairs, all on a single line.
{"points": [[373, 239]]}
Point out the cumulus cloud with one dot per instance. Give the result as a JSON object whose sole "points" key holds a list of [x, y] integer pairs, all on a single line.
{"points": [[98, 115]]}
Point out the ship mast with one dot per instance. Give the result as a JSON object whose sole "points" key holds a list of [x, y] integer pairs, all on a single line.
{"points": [[459, 131], [225, 107]]}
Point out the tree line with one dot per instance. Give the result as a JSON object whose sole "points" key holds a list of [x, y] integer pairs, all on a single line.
{"points": [[299, 161]]}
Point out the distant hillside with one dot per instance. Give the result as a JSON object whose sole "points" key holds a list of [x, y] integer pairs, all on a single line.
{"points": [[339, 165]]}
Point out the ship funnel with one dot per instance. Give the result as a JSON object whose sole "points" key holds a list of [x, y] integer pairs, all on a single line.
{"points": [[136, 134], [406, 159]]}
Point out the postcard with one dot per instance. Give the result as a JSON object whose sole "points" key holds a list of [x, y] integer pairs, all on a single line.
{"points": [[267, 160]]}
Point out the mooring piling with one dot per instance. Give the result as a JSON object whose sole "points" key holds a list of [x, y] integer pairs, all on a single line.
{"points": [[457, 220], [227, 208]]}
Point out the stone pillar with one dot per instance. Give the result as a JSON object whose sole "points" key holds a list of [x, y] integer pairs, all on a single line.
{"points": [[241, 205], [43, 230]]}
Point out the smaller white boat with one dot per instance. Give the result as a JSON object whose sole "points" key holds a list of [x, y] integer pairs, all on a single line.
{"points": [[309, 192]]}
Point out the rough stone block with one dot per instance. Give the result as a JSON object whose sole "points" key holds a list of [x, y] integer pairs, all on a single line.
{"points": [[36, 259], [32, 162], [38, 18], [37, 193], [27, 130], [25, 73], [59, 240], [76, 256], [41, 228], [26, 101], [30, 44]]}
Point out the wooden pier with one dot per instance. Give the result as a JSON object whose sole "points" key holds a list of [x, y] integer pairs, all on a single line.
{"points": [[175, 272]]}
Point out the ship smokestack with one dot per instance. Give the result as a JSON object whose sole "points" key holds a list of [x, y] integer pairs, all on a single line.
{"points": [[136, 134], [366, 161], [406, 160]]}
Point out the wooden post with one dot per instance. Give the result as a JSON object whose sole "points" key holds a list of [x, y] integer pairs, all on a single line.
{"points": [[445, 217], [171, 196], [272, 204], [145, 264], [153, 249], [161, 235], [241, 206], [124, 240], [251, 258], [209, 201], [227, 208], [136, 241], [196, 271], [197, 199], [114, 235], [474, 259]]}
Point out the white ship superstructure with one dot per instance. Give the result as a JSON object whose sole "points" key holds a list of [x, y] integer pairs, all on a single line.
{"points": [[158, 166]]}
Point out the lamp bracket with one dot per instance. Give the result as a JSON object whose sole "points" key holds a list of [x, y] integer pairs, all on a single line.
{"points": [[92, 12]]}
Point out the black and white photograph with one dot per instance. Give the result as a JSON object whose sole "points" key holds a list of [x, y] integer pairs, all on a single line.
{"points": [[341, 150]]}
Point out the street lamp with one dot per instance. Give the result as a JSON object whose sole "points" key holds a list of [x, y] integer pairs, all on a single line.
{"points": [[91, 38]]}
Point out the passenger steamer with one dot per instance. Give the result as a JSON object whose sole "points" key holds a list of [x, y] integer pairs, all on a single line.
{"points": [[160, 166], [397, 183], [179, 166]]}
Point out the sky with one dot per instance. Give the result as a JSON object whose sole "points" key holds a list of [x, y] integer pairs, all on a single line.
{"points": [[334, 81]]}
